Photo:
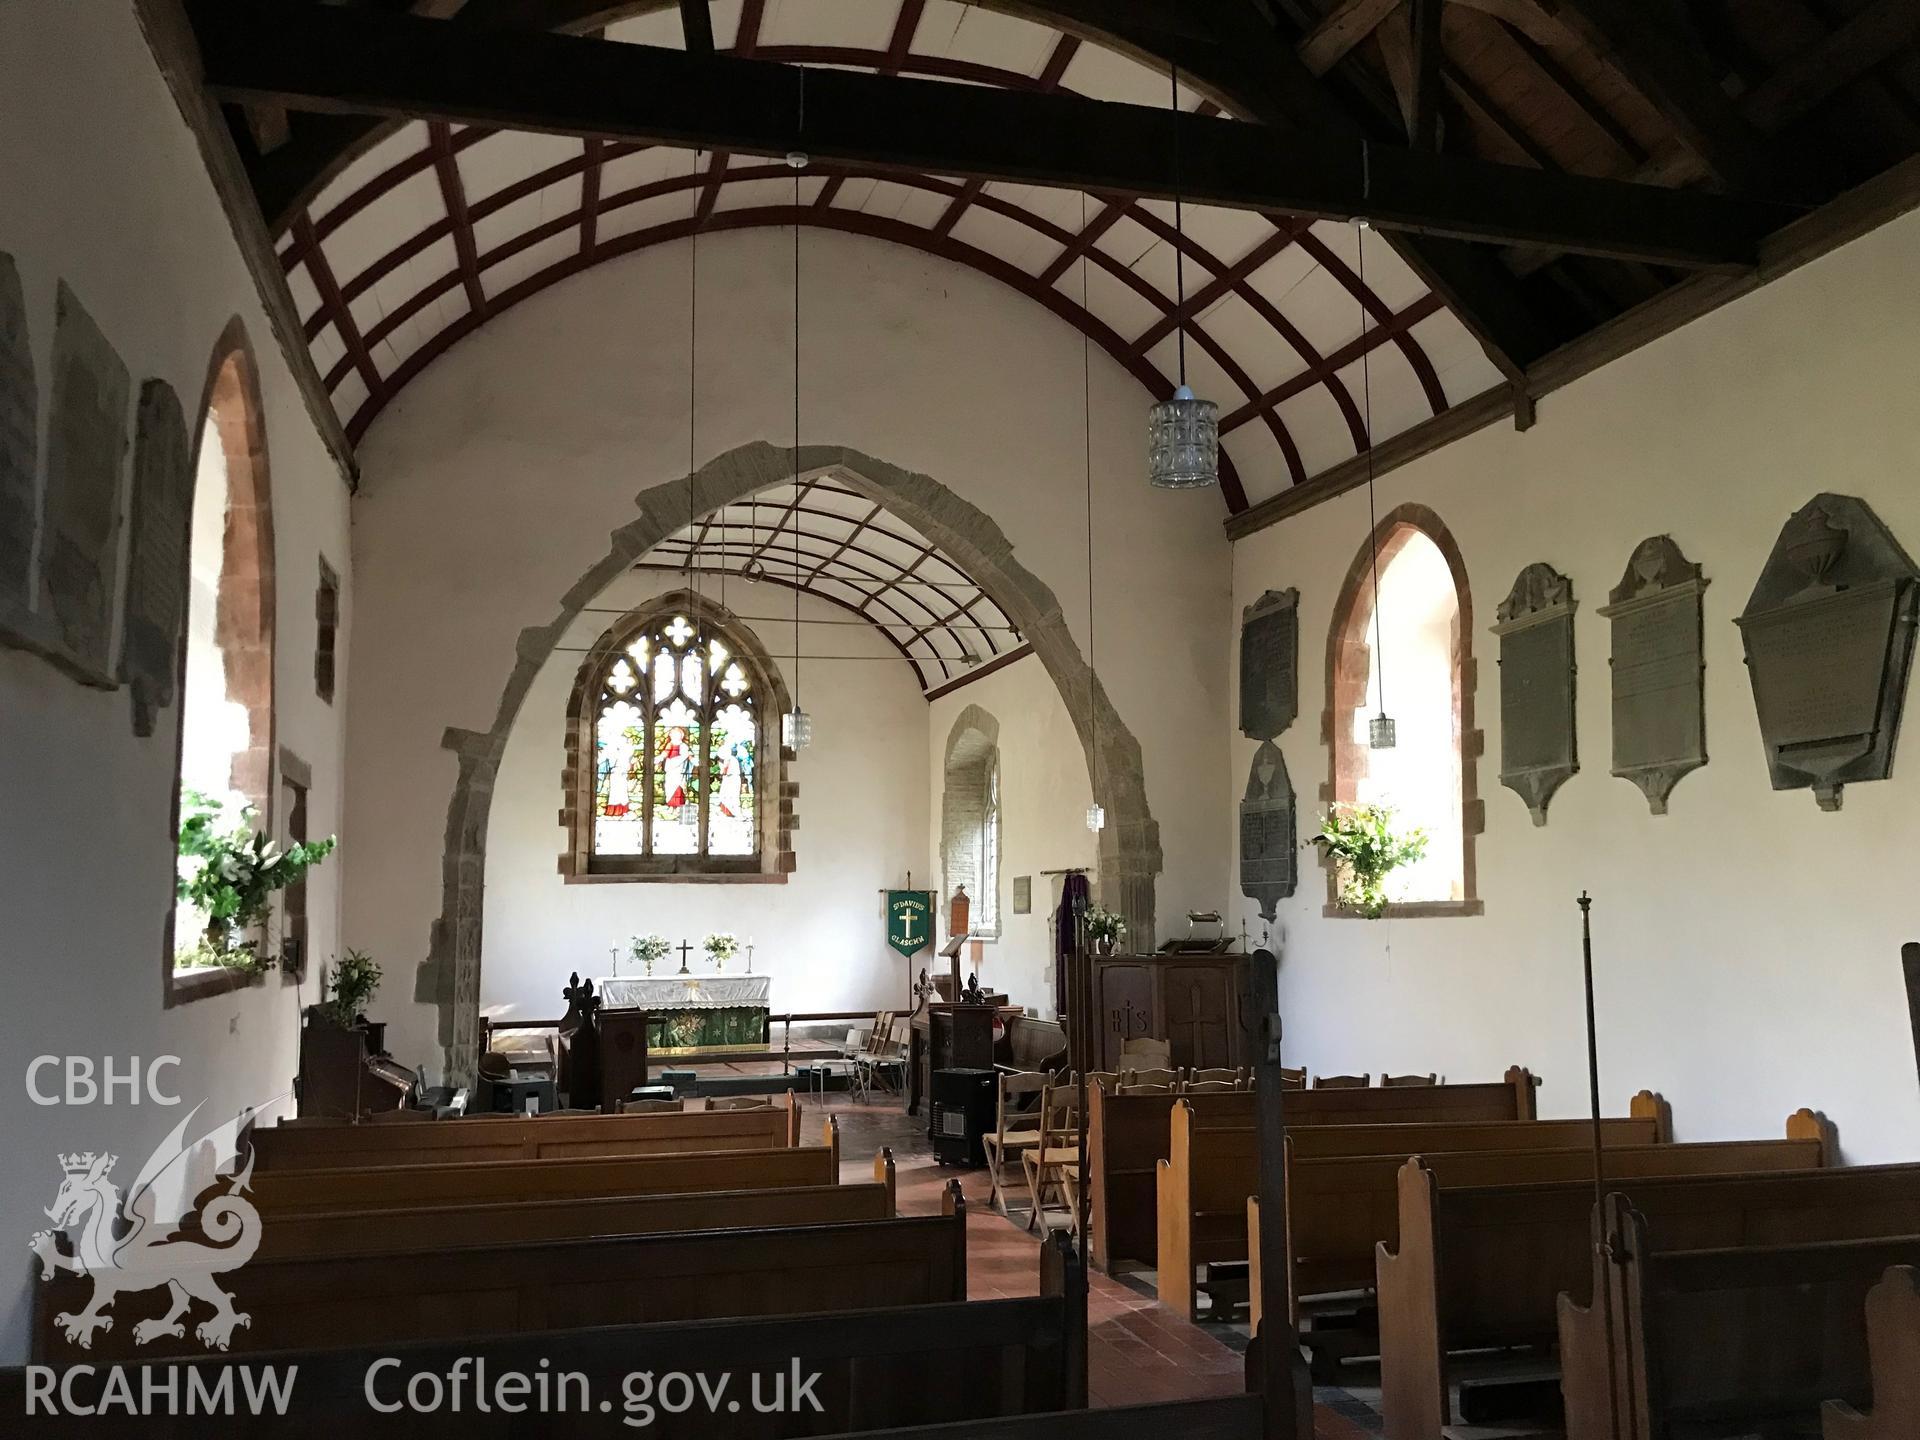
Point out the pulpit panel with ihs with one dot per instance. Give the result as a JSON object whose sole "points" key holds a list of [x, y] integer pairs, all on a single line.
{"points": [[1193, 1002], [1198, 1006]]}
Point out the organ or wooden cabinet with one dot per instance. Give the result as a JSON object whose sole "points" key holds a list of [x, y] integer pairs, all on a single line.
{"points": [[1198, 1004]]}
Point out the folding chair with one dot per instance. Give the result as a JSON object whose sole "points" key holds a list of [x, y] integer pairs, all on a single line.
{"points": [[1409, 1079], [1053, 1166], [1342, 1082], [1213, 1082], [1016, 1127]]}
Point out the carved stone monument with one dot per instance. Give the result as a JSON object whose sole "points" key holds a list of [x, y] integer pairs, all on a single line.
{"points": [[1829, 641], [19, 447], [156, 601], [1270, 664], [86, 443], [1538, 744], [1659, 686], [1269, 832]]}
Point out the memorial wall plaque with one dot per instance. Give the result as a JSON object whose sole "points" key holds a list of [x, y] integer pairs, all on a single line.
{"points": [[1270, 664], [1269, 839], [1828, 632], [1538, 745], [156, 600], [19, 448], [86, 443], [1659, 684]]}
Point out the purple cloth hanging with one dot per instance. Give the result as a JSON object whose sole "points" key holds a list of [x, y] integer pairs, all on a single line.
{"points": [[1075, 895]]}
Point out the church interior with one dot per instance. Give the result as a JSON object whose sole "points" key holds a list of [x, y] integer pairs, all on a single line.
{"points": [[1021, 718]]}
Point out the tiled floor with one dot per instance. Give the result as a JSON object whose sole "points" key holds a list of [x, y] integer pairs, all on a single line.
{"points": [[1137, 1350]]}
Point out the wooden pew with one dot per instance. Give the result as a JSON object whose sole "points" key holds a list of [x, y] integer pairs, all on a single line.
{"points": [[1340, 1208], [1723, 1341], [894, 1366], [519, 1137], [1893, 1354], [452, 1293], [309, 1191], [296, 1234], [1483, 1267], [1127, 1136]]}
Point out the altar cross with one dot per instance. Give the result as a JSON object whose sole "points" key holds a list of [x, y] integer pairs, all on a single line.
{"points": [[686, 949]]}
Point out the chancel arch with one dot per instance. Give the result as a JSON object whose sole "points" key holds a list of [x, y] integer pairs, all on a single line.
{"points": [[449, 979], [227, 661], [1401, 645]]}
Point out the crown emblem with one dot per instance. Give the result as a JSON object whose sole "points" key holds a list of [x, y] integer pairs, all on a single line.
{"points": [[81, 1164]]}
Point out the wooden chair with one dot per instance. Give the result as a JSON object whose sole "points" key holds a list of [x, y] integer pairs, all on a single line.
{"points": [[1213, 1082], [1429, 1079], [1016, 1128], [731, 1102], [1342, 1082], [1053, 1166], [652, 1107], [1291, 1079], [1108, 1080], [887, 1055], [1167, 1077]]}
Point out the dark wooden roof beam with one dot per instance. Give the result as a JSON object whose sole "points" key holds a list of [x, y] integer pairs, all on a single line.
{"points": [[330, 59]]}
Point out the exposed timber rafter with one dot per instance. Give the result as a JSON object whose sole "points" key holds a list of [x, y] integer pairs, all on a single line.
{"points": [[325, 58]]}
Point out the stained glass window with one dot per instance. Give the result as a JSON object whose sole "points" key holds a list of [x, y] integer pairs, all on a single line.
{"points": [[676, 748]]}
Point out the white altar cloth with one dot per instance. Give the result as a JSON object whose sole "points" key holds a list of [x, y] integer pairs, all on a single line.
{"points": [[684, 992]]}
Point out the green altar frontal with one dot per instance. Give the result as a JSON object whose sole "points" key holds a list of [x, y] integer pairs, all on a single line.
{"points": [[696, 1014]]}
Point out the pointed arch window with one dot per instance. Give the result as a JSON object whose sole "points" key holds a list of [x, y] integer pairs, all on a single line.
{"points": [[675, 728]]}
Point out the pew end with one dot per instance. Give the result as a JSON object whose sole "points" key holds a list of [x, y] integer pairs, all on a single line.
{"points": [[1526, 1092], [1651, 1105], [832, 1141], [1812, 1125], [1893, 1353], [885, 1173], [1413, 1368]]}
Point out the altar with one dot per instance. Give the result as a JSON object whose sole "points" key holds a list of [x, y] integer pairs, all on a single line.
{"points": [[695, 1012]]}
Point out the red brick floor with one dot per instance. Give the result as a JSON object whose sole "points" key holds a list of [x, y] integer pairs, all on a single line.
{"points": [[1137, 1351]]}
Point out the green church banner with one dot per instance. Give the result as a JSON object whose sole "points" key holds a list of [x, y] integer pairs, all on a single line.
{"points": [[909, 920]]}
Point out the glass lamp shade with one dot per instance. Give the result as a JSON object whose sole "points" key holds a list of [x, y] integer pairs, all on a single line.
{"points": [[1096, 818], [1382, 734], [796, 729], [1183, 442]]}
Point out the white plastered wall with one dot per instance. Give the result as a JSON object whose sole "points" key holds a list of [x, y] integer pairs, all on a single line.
{"points": [[492, 484], [106, 189], [862, 811], [1747, 945]]}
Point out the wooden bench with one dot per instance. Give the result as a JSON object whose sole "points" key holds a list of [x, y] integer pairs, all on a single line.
{"points": [[386, 1298], [1340, 1208], [1723, 1341], [1127, 1136], [297, 1234], [1893, 1353], [893, 1366], [1483, 1267], [484, 1182], [518, 1137]]}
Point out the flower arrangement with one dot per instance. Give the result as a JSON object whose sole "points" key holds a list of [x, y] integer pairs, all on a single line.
{"points": [[649, 950], [1105, 928], [230, 876], [721, 948], [356, 975], [1361, 840]]}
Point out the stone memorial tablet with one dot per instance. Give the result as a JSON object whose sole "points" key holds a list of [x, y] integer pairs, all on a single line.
{"points": [[1538, 747], [1659, 686], [1828, 632], [1269, 838], [19, 447], [1269, 664], [156, 601], [86, 443]]}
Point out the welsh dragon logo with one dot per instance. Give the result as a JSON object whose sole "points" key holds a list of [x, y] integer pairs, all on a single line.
{"points": [[133, 1247]]}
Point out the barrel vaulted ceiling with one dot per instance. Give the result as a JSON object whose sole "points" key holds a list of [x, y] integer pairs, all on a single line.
{"points": [[1553, 181], [436, 229]]}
